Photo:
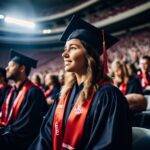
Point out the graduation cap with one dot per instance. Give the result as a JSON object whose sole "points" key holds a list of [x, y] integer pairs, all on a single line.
{"points": [[23, 60], [2, 72], [80, 29]]}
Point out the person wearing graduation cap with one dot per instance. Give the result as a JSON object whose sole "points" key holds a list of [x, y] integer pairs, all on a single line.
{"points": [[91, 113], [4, 86], [23, 108]]}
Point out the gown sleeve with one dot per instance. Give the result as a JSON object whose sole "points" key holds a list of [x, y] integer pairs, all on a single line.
{"points": [[108, 122]]}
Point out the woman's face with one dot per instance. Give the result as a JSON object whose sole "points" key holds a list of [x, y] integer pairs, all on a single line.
{"points": [[74, 56], [48, 80], [118, 71], [144, 65]]}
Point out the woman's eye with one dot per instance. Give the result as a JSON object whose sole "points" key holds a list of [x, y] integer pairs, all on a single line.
{"points": [[73, 48]]}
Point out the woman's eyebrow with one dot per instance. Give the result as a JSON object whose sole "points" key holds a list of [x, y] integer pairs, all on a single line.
{"points": [[73, 44], [69, 45]]}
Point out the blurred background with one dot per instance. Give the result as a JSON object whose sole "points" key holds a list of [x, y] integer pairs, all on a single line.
{"points": [[33, 27]]}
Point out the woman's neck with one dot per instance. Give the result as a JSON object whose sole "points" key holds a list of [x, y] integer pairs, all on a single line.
{"points": [[80, 78]]}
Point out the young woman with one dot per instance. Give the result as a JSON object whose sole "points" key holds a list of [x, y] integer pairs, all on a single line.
{"points": [[124, 79], [53, 88], [91, 114]]}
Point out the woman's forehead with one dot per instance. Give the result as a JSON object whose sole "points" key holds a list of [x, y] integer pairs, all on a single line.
{"points": [[73, 42]]}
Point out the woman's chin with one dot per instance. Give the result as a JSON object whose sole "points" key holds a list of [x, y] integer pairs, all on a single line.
{"points": [[68, 69]]}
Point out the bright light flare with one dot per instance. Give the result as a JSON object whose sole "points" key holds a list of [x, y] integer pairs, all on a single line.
{"points": [[1, 16], [47, 31], [19, 22]]}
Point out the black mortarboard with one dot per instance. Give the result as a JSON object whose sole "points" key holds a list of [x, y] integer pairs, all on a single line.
{"points": [[3, 72], [79, 29], [23, 60]]}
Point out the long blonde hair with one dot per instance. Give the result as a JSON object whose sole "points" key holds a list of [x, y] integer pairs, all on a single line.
{"points": [[93, 75], [123, 66]]}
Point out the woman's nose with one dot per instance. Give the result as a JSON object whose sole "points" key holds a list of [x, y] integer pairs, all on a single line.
{"points": [[65, 54]]}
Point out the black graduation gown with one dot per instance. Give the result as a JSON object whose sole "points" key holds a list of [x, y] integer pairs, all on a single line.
{"points": [[134, 85], [21, 133], [107, 126], [55, 92], [3, 93]]}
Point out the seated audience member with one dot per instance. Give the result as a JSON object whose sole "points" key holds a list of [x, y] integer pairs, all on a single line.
{"points": [[23, 108], [134, 57], [36, 78], [130, 86], [53, 88], [144, 74], [126, 82], [4, 86]]}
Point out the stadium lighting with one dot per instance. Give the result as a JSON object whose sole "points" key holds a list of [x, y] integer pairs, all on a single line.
{"points": [[1, 16], [19, 22], [47, 31]]}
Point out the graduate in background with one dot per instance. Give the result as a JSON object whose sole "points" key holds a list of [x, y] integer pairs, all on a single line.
{"points": [[37, 79], [4, 86], [144, 74], [91, 113], [23, 108], [126, 82], [53, 88]]}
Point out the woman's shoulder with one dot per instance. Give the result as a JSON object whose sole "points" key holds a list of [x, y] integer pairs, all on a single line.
{"points": [[108, 94], [108, 88]]}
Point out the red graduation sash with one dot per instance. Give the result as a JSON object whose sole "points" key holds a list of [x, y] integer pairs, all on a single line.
{"points": [[69, 137], [144, 78], [48, 92], [6, 117], [123, 88]]}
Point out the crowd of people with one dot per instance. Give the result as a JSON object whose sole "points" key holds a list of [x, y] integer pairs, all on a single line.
{"points": [[81, 107], [105, 13], [99, 12]]}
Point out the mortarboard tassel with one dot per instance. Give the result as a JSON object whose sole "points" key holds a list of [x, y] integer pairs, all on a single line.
{"points": [[105, 56]]}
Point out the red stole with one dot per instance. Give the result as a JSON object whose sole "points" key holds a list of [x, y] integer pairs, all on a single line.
{"points": [[6, 117], [48, 92], [145, 79], [123, 88], [69, 137]]}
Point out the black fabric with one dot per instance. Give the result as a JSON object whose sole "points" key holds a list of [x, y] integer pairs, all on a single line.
{"points": [[134, 86], [141, 119], [55, 92], [3, 93], [2, 72], [107, 126], [23, 60], [21, 133]]}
